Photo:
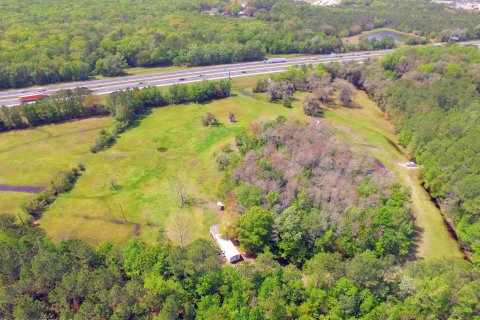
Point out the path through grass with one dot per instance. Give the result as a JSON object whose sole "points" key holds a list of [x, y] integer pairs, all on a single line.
{"points": [[367, 127]]}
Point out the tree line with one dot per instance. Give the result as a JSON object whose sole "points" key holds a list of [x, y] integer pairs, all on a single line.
{"points": [[62, 182], [431, 95], [60, 106]]}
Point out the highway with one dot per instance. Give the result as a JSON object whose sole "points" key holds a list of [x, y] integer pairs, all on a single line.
{"points": [[105, 86]]}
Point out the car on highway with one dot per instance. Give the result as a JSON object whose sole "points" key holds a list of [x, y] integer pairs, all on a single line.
{"points": [[141, 82], [41, 89], [181, 79], [243, 71]]}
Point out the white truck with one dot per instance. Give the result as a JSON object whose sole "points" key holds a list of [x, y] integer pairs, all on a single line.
{"points": [[275, 60]]}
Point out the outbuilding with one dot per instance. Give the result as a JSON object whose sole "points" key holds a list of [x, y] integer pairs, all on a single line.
{"points": [[228, 248], [220, 205]]}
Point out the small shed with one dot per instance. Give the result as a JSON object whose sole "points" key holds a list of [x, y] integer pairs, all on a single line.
{"points": [[228, 248], [220, 205]]}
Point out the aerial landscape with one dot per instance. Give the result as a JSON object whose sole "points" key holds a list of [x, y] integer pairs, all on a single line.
{"points": [[240, 159]]}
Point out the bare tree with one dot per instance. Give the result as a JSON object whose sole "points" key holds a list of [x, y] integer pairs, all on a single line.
{"points": [[231, 117], [183, 198], [181, 228], [317, 80]]}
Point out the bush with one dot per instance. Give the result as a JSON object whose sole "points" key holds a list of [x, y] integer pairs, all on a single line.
{"points": [[260, 86], [103, 141], [209, 120], [63, 182]]}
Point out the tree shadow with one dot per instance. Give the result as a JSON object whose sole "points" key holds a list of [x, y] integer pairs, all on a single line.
{"points": [[414, 247], [394, 145]]}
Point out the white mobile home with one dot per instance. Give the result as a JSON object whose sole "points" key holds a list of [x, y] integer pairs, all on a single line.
{"points": [[228, 248]]}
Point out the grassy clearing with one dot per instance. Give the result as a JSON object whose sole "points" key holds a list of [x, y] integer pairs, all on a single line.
{"points": [[32, 157], [367, 127], [146, 197]]}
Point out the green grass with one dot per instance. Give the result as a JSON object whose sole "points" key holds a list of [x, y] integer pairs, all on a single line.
{"points": [[32, 157], [367, 127], [93, 211]]}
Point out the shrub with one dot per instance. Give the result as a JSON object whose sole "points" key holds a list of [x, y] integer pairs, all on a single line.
{"points": [[102, 141], [63, 182], [209, 120]]}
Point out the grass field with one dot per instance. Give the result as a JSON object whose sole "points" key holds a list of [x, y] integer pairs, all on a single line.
{"points": [[147, 177], [367, 127], [32, 157]]}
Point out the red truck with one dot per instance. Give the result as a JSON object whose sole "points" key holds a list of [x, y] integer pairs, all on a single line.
{"points": [[32, 97]]}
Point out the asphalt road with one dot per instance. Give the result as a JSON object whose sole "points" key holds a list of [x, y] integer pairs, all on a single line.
{"points": [[104, 86]]}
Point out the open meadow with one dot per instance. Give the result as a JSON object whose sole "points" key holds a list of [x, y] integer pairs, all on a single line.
{"points": [[32, 157], [132, 188], [147, 180]]}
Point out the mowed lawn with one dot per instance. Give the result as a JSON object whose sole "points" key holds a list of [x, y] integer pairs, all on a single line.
{"points": [[367, 127], [32, 157], [147, 178]]}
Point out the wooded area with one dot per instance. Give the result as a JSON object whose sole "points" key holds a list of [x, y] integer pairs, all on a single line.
{"points": [[52, 41], [71, 279], [431, 95], [318, 193]]}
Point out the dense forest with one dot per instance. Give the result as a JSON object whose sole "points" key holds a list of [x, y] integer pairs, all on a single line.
{"points": [[316, 193], [50, 41], [431, 95], [73, 280]]}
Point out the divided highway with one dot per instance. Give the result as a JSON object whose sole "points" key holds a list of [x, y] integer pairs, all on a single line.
{"points": [[105, 86]]}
